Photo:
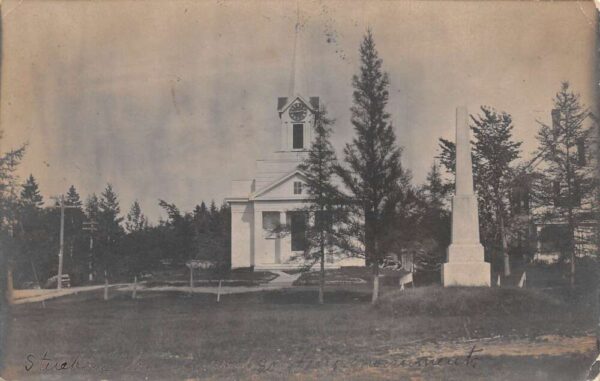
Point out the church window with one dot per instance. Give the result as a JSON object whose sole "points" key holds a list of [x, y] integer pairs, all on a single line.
{"points": [[270, 222], [297, 187], [298, 136]]}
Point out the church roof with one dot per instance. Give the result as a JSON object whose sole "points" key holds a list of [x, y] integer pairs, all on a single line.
{"points": [[264, 190]]}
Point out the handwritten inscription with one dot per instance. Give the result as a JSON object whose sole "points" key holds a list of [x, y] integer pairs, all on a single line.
{"points": [[48, 363]]}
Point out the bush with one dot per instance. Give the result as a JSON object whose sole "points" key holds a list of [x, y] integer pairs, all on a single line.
{"points": [[458, 301]]}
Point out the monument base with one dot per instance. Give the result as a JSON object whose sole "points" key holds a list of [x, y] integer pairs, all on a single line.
{"points": [[466, 274]]}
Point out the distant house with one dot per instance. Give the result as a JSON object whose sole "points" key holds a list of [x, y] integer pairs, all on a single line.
{"points": [[549, 231]]}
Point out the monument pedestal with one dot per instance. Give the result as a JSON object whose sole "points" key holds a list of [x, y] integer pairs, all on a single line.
{"points": [[466, 267]]}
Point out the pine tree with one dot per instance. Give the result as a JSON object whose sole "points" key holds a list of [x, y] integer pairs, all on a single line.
{"points": [[31, 232], [8, 188], [135, 244], [76, 263], [73, 198], [324, 208], [225, 257], [92, 212], [136, 221], [92, 207], [568, 179], [181, 229], [9, 218], [109, 227], [494, 152], [203, 237], [30, 193], [434, 226], [435, 188], [373, 172]]}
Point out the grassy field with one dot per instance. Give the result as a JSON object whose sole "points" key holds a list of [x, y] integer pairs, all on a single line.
{"points": [[283, 334]]}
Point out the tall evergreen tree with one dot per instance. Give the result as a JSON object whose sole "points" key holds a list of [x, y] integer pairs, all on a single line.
{"points": [[568, 180], [181, 233], [109, 227], [135, 244], [135, 221], [434, 226], [92, 212], [30, 193], [495, 152], [324, 208], [73, 198], [373, 172], [76, 258], [8, 211], [92, 207], [435, 188], [31, 233], [225, 258], [9, 188]]}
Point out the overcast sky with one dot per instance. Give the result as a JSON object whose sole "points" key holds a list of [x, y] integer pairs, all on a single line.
{"points": [[173, 100]]}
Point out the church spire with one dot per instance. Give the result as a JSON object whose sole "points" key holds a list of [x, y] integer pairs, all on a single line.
{"points": [[298, 77]]}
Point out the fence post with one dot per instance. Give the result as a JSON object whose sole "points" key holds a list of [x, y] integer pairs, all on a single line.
{"points": [[134, 286], [105, 286]]}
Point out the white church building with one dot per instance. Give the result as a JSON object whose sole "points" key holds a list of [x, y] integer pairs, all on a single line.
{"points": [[277, 190]]}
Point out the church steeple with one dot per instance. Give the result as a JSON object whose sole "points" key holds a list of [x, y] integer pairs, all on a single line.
{"points": [[297, 110], [298, 76]]}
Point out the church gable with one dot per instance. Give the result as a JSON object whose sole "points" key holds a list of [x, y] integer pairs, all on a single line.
{"points": [[284, 103], [291, 186]]}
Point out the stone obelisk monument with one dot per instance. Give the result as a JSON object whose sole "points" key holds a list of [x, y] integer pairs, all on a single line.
{"points": [[465, 264]]}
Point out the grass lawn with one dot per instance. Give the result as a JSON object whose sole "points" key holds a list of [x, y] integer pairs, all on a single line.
{"points": [[283, 334]]}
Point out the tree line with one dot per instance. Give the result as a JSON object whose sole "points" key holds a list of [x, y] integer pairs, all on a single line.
{"points": [[100, 242]]}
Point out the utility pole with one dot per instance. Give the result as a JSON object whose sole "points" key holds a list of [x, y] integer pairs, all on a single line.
{"points": [[91, 226], [61, 203]]}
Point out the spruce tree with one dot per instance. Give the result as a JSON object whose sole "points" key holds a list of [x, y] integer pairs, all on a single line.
{"points": [[135, 220], [30, 193], [32, 233], [76, 239], [434, 225], [495, 152], [92, 207], [9, 188], [568, 181], [324, 208], [73, 198], [373, 172], [435, 188], [109, 226]]}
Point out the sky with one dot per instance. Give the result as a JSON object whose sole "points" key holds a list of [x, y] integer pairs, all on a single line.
{"points": [[174, 99]]}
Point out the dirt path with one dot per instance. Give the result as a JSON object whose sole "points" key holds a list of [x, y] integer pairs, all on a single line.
{"points": [[548, 345], [39, 295], [283, 280]]}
